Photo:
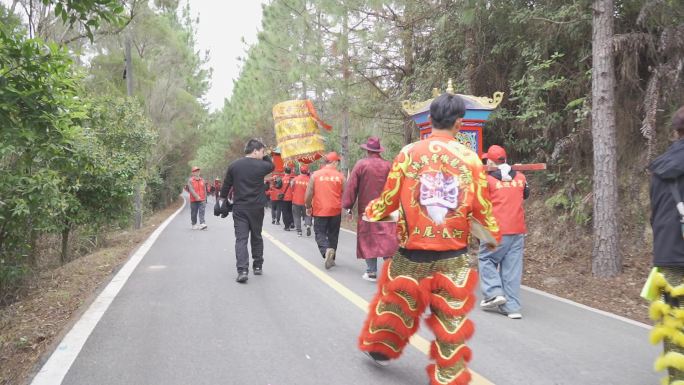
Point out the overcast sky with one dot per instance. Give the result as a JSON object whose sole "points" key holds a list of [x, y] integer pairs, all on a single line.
{"points": [[222, 26]]}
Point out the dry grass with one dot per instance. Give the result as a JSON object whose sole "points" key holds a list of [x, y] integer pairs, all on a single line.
{"points": [[558, 261], [32, 325]]}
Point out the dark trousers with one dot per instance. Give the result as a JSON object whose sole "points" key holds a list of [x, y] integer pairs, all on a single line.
{"points": [[327, 230], [195, 208], [299, 213], [248, 223], [288, 219], [275, 211]]}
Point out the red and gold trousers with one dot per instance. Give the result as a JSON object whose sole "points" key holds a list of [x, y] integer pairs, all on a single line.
{"points": [[405, 290], [668, 313]]}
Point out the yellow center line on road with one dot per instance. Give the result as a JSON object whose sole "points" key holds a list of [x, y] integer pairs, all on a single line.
{"points": [[416, 341]]}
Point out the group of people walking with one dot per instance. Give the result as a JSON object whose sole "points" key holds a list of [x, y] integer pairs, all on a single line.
{"points": [[286, 192], [320, 200], [416, 213]]}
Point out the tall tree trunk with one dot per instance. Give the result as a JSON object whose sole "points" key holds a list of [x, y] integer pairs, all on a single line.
{"points": [[346, 74], [33, 241], [407, 40], [137, 197], [64, 255], [3, 234], [606, 261], [471, 61], [319, 57]]}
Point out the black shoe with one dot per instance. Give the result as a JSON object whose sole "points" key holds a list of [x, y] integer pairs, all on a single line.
{"points": [[308, 231], [258, 271], [379, 358], [287, 229], [242, 277], [273, 222]]}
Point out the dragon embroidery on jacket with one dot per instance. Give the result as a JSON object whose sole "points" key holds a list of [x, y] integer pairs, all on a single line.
{"points": [[438, 194]]}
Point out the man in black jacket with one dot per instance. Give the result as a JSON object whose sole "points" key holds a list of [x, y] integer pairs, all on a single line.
{"points": [[246, 177], [667, 189]]}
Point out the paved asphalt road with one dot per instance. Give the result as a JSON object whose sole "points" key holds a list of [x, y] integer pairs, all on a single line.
{"points": [[182, 319]]}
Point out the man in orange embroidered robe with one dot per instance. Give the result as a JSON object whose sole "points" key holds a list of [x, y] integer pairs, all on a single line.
{"points": [[437, 185], [374, 239]]}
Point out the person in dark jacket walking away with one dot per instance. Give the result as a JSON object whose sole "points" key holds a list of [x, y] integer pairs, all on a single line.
{"points": [[286, 204], [299, 185], [198, 198], [246, 177], [276, 203], [667, 277], [217, 187], [501, 269], [324, 202]]}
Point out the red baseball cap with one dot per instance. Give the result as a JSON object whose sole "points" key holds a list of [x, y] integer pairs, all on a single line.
{"points": [[195, 169], [496, 153], [332, 157]]}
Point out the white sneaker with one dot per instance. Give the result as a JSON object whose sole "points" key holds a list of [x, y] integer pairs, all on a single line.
{"points": [[203, 226], [195, 227], [329, 258], [514, 315], [493, 303], [372, 277]]}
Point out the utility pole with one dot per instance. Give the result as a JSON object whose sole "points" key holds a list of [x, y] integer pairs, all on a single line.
{"points": [[137, 215]]}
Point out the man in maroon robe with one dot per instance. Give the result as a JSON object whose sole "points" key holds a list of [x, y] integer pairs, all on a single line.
{"points": [[374, 239]]}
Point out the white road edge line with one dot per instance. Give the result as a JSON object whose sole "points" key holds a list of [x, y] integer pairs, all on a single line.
{"points": [[585, 307], [60, 361], [570, 302]]}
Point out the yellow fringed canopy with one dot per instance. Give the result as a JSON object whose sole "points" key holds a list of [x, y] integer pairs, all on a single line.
{"points": [[297, 131]]}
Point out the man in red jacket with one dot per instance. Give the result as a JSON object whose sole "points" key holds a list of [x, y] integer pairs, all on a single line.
{"points": [[436, 185], [299, 185], [324, 202], [501, 269], [198, 198]]}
